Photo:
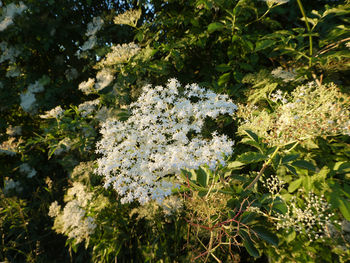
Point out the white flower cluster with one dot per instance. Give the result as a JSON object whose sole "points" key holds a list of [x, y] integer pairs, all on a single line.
{"points": [[10, 147], [161, 137], [14, 130], [88, 107], [347, 44], [104, 77], [312, 110], [87, 87], [92, 29], [10, 185], [120, 54], [312, 219], [285, 75], [8, 53], [28, 97], [274, 185], [26, 169], [63, 146], [53, 113], [9, 12], [72, 220], [129, 17]]}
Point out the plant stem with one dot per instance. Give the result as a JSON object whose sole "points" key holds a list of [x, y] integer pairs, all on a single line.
{"points": [[266, 164], [308, 30]]}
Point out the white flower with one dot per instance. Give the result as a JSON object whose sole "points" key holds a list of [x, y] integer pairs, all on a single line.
{"points": [[87, 86], [89, 44], [285, 75], [14, 130], [53, 113], [94, 26], [9, 12], [129, 17], [104, 77], [153, 143], [54, 209], [26, 169], [10, 184], [88, 107], [120, 54]]}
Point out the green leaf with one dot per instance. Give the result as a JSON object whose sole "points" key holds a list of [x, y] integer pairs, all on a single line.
{"points": [[307, 183], [294, 185], [289, 158], [251, 157], [224, 78], [216, 26], [305, 165], [223, 68], [264, 44], [264, 234], [248, 244], [291, 235], [344, 207], [202, 177], [252, 135], [291, 169], [235, 165]]}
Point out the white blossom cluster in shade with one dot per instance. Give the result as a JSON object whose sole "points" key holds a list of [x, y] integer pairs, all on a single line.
{"points": [[88, 107], [72, 220], [92, 29], [53, 113], [9, 12], [27, 170], [11, 185], [162, 136], [28, 97], [8, 53], [87, 87], [285, 75], [120, 54]]}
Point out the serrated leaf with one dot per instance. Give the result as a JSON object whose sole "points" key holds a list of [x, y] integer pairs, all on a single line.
{"points": [[251, 157], [264, 234], [216, 26], [223, 68], [344, 207], [235, 165], [202, 177], [249, 246], [294, 185], [264, 44], [290, 236], [307, 183], [291, 169], [252, 135], [289, 158], [224, 78], [304, 164]]}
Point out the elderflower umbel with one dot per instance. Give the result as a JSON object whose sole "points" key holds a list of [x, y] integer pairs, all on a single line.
{"points": [[129, 17], [72, 220], [88, 107], [120, 54], [9, 12], [53, 113], [87, 86], [311, 219], [26, 169], [140, 153], [311, 111], [285, 75]]}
